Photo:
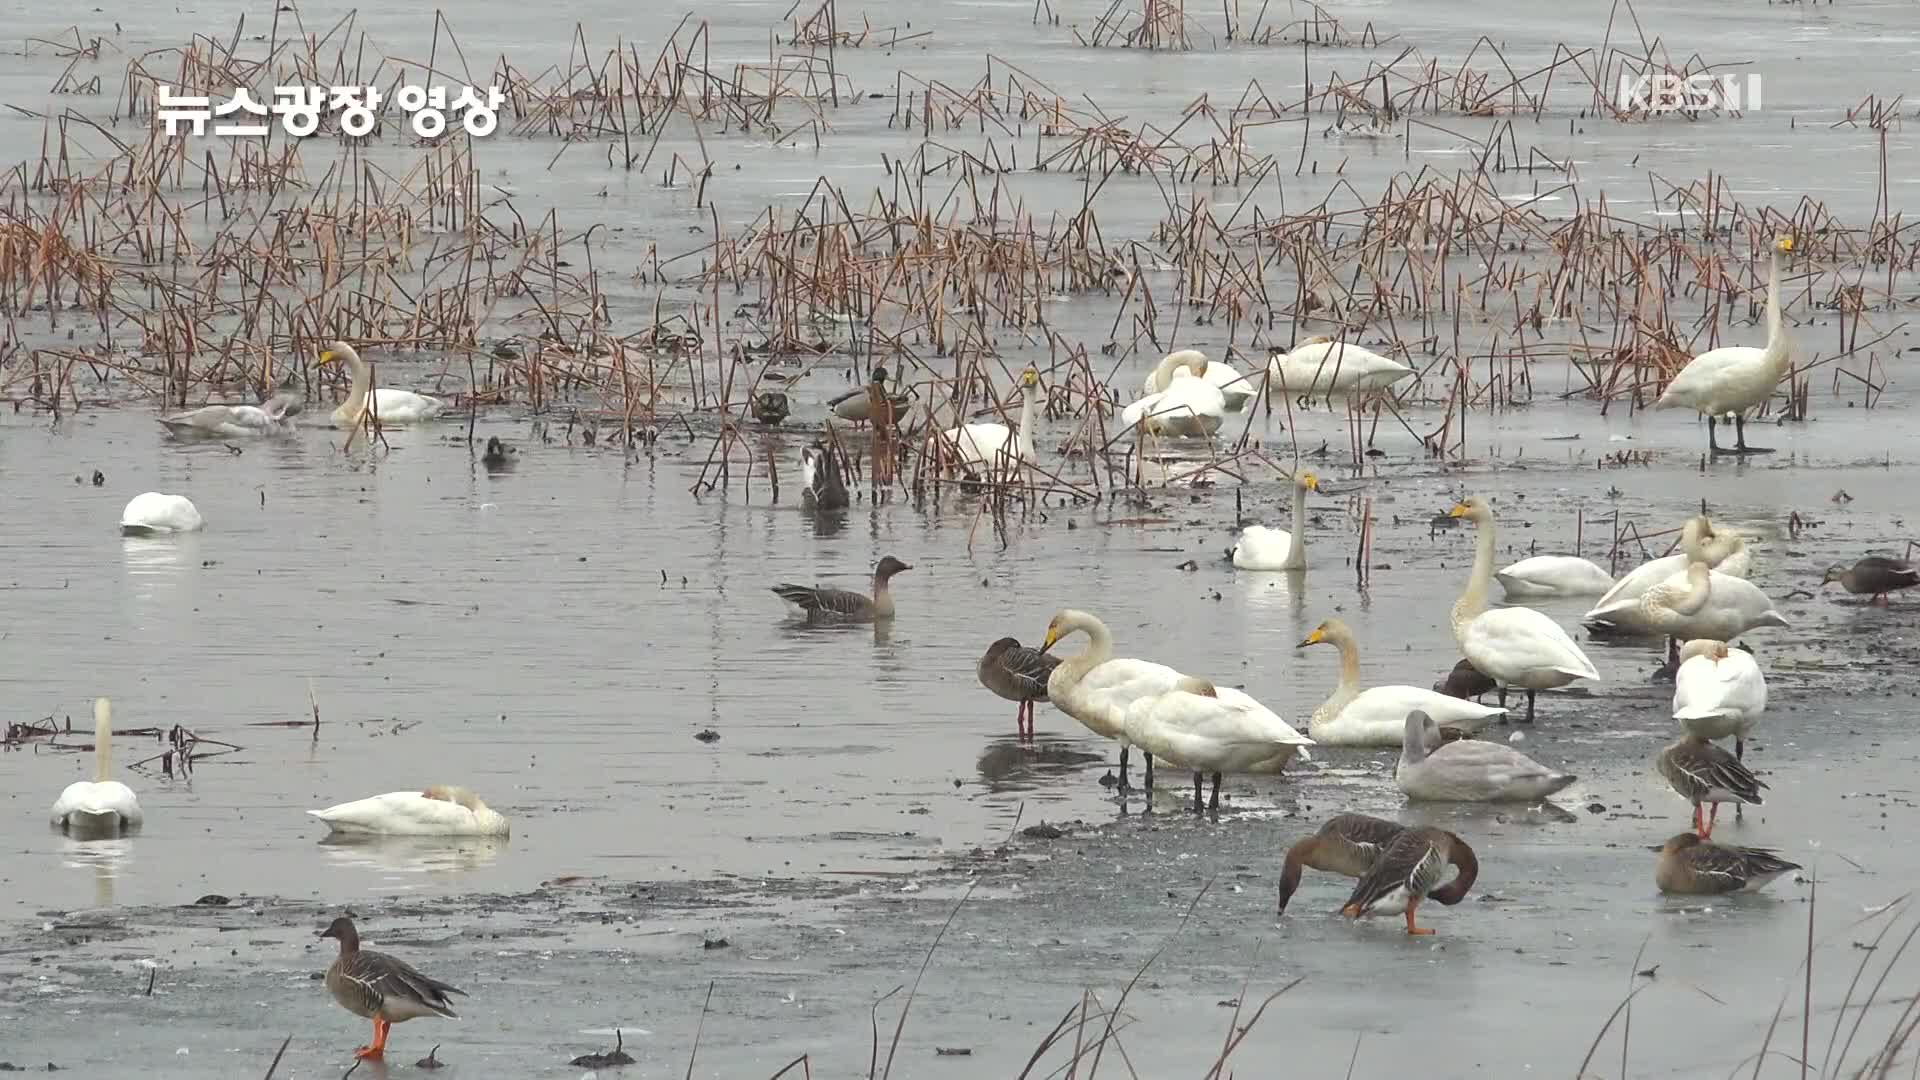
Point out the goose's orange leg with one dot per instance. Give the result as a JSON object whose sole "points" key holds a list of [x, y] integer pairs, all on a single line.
{"points": [[379, 1047], [1699, 823], [1412, 930]]}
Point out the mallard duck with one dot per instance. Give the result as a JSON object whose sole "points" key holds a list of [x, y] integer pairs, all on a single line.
{"points": [[102, 806], [1261, 548], [1349, 844], [1875, 574], [439, 810], [1718, 692], [1096, 689], [1704, 774], [273, 416], [1236, 389], [1736, 378], [1723, 550], [1410, 870], [1193, 727], [1377, 716], [390, 407], [1470, 770], [995, 449], [1190, 405], [1549, 576], [1516, 646], [822, 605], [770, 407], [498, 454], [1020, 674], [857, 405], [383, 988], [823, 478], [1321, 367], [1694, 867], [155, 514], [1465, 681]]}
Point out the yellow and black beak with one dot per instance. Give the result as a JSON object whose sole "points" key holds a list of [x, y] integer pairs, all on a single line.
{"points": [[1053, 635], [1460, 510], [328, 357], [1314, 638]]}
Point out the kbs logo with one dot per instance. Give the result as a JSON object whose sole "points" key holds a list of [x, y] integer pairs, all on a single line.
{"points": [[1662, 92]]}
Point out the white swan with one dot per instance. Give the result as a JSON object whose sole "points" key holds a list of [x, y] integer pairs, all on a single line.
{"points": [[1718, 692], [155, 514], [389, 406], [1190, 405], [1547, 576], [440, 810], [1323, 367], [1261, 548], [1735, 378], [1235, 387], [1697, 603], [1095, 688], [1468, 770], [273, 416], [994, 448], [1514, 646], [103, 806], [1378, 716], [1196, 728], [1725, 552]]}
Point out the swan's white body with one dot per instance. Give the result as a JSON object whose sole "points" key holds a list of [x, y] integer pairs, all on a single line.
{"points": [[102, 806], [1548, 576], [1725, 552], [1235, 387], [440, 810], [271, 417], [1261, 548], [1190, 405], [1210, 734], [1718, 692], [1732, 379], [1322, 367], [1378, 716], [1513, 646], [994, 448], [1097, 689], [390, 406], [1698, 603], [155, 514], [1468, 770]]}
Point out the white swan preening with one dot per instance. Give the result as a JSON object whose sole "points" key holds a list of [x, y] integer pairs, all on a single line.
{"points": [[1262, 548], [1732, 379], [1718, 692], [1725, 551], [1698, 603], [1468, 770], [1235, 387], [1515, 646], [102, 806], [155, 514], [1194, 727], [1097, 689], [390, 406], [440, 810], [1190, 405], [1377, 716], [1323, 367], [994, 449], [273, 416], [1546, 577]]}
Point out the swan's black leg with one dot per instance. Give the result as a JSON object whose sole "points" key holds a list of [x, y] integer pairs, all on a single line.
{"points": [[1124, 786], [1214, 803], [1740, 438], [1148, 758], [1713, 447], [1503, 704], [1530, 694], [1198, 804]]}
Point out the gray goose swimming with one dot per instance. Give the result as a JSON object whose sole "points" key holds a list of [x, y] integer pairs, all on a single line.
{"points": [[380, 987], [841, 605], [1017, 673], [1876, 575], [1694, 867]]}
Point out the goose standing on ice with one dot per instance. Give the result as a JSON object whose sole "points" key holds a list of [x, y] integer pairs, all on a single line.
{"points": [[1876, 575], [382, 988], [1349, 845], [1410, 870], [102, 806]]}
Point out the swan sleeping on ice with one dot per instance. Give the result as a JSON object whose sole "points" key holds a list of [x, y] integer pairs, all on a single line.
{"points": [[1547, 576], [154, 514], [103, 806], [390, 406], [440, 810]]}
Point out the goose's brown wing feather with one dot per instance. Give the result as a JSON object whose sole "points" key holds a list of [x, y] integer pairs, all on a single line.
{"points": [[1414, 860], [1881, 572], [1028, 669], [380, 978], [1735, 864], [1697, 769], [834, 603]]}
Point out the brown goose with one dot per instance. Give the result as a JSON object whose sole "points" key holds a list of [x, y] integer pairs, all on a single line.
{"points": [[842, 606], [380, 987], [1704, 773], [1875, 574], [1017, 673], [1349, 845], [1409, 871], [1465, 681], [1691, 865]]}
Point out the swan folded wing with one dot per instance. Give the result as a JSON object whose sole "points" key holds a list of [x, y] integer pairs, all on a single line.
{"points": [[97, 799], [1260, 545], [1392, 703], [400, 812], [1639, 580], [1122, 680], [1709, 372], [1526, 638]]}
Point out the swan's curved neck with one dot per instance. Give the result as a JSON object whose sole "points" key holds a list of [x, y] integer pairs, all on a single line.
{"points": [[1023, 441], [1695, 597], [1413, 747], [1474, 600], [1163, 373], [1776, 350], [362, 386], [1099, 650], [1297, 552], [1349, 687], [102, 750]]}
